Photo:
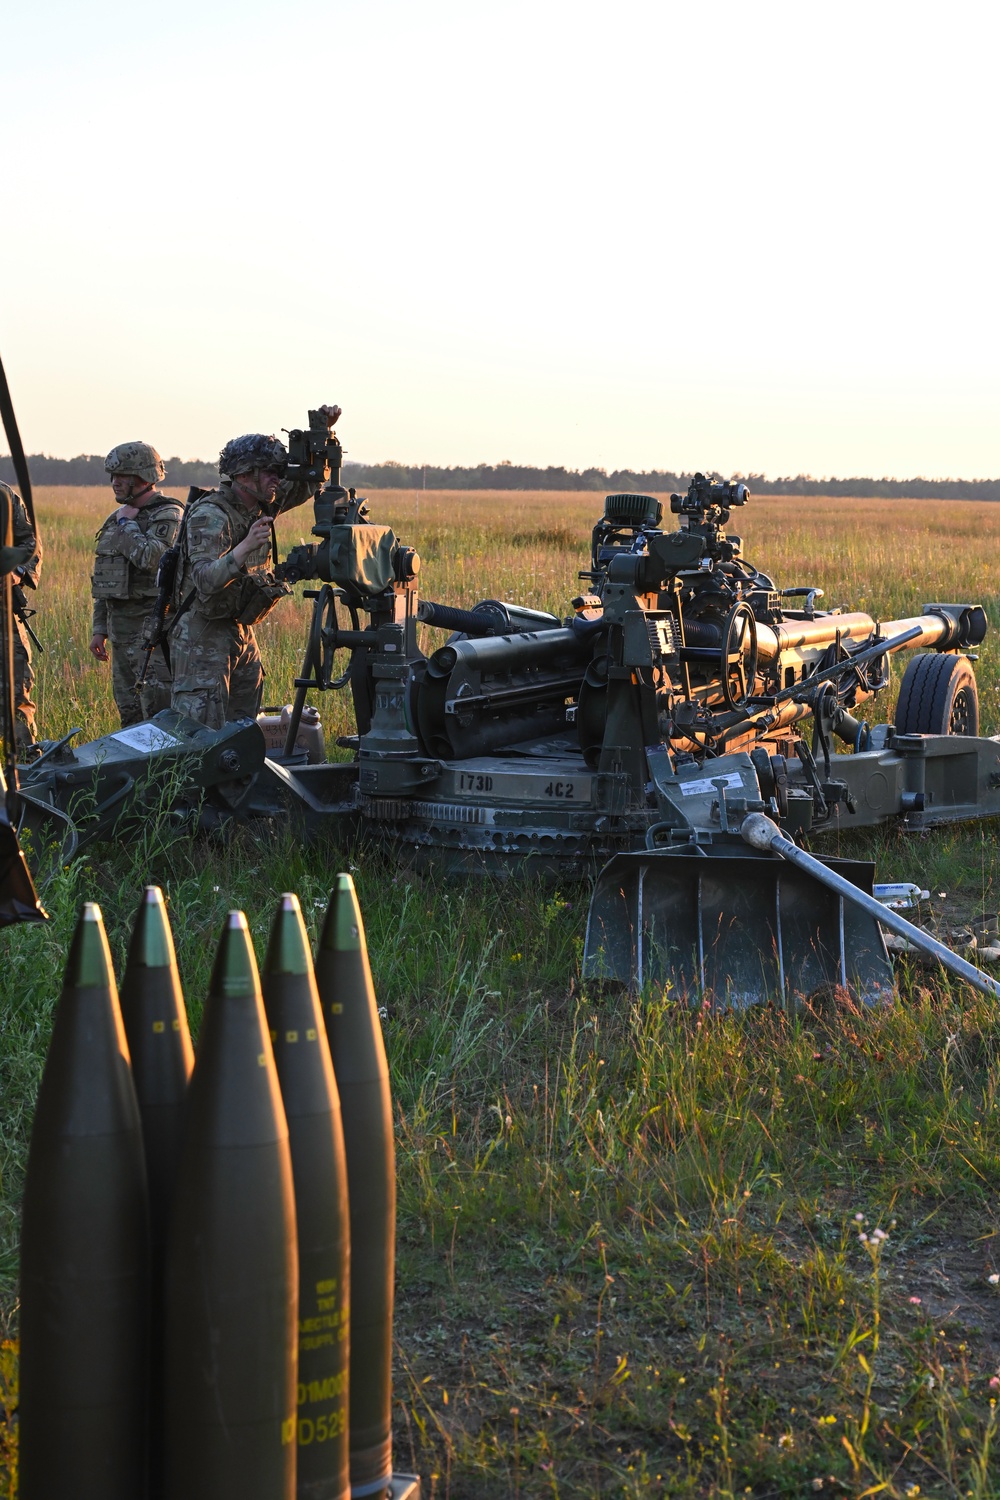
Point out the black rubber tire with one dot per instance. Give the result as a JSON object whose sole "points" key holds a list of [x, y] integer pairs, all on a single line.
{"points": [[938, 695]]}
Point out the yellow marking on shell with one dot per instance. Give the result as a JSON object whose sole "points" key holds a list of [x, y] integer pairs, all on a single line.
{"points": [[291, 1036], [159, 1026], [176, 1025], [311, 1034], [262, 1060], [336, 1009], [273, 1034]]}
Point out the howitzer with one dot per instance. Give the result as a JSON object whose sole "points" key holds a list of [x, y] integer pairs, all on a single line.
{"points": [[684, 690], [529, 735]]}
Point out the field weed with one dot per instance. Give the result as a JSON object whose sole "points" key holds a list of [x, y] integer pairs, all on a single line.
{"points": [[629, 1253]]}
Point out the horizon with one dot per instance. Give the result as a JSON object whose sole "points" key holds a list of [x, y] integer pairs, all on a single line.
{"points": [[664, 469]]}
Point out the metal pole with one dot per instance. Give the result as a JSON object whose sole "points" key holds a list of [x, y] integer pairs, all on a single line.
{"points": [[760, 832]]}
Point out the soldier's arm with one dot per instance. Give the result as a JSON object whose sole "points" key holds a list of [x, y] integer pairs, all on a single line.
{"points": [[144, 549], [209, 551], [294, 492], [99, 625], [25, 536]]}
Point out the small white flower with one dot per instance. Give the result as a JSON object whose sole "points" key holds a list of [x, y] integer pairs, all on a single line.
{"points": [[879, 1234], [994, 1278], [862, 1239], [859, 1218]]}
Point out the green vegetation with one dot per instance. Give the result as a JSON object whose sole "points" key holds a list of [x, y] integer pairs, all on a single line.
{"points": [[629, 1257]]}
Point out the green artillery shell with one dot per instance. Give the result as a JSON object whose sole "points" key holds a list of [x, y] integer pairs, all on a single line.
{"points": [[85, 1250], [312, 1107], [352, 1024], [159, 1044], [232, 1266]]}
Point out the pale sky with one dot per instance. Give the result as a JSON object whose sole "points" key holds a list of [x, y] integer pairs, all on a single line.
{"points": [[747, 237]]}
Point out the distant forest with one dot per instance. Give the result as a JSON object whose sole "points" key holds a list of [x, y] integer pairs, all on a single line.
{"points": [[89, 469]]}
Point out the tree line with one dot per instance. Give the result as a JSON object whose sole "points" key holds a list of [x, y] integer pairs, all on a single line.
{"points": [[89, 469]]}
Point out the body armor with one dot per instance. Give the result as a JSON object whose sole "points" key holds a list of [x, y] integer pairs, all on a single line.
{"points": [[254, 592], [115, 576]]}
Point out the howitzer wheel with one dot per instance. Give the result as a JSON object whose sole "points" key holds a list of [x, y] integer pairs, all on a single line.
{"points": [[938, 695]]}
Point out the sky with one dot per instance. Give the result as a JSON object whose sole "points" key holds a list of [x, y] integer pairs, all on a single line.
{"points": [[751, 238]]}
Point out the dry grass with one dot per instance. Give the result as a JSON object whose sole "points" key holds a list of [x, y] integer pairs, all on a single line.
{"points": [[628, 1256]]}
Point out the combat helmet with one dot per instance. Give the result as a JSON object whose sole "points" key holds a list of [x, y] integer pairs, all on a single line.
{"points": [[138, 459], [254, 450]]}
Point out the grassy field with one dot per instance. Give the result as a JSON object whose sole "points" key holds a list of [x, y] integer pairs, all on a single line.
{"points": [[641, 1251]]}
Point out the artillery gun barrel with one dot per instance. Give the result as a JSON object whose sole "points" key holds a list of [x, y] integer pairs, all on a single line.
{"points": [[935, 629], [799, 635], [501, 653]]}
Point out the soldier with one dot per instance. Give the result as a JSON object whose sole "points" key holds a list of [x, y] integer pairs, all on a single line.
{"points": [[25, 576], [224, 586], [129, 547]]}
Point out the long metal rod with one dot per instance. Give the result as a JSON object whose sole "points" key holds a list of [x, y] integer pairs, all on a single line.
{"points": [[858, 659], [761, 833]]}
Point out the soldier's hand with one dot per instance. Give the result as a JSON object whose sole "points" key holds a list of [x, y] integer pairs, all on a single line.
{"points": [[126, 512], [259, 533], [98, 647], [331, 413]]}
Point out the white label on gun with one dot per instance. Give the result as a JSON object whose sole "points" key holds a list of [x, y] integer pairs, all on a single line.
{"points": [[706, 785], [145, 737]]}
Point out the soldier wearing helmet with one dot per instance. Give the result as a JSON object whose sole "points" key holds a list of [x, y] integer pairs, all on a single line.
{"points": [[129, 547], [224, 583], [26, 576]]}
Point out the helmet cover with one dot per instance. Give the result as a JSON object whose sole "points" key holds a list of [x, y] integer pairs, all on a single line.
{"points": [[138, 459], [254, 450]]}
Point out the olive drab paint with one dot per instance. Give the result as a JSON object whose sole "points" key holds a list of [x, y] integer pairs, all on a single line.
{"points": [[350, 1012], [319, 1170], [232, 1266], [159, 1042], [85, 1250]]}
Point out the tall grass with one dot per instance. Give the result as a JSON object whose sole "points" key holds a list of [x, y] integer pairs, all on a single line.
{"points": [[630, 1261]]}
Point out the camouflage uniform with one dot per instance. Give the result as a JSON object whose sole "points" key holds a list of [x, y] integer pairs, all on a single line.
{"points": [[124, 588], [218, 675], [24, 677]]}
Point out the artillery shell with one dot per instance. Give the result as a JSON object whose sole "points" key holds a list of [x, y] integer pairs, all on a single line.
{"points": [[159, 1042], [350, 1012], [232, 1266], [319, 1169], [85, 1250]]}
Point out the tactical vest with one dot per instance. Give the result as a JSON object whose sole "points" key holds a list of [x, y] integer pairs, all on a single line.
{"points": [[114, 576], [253, 593]]}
